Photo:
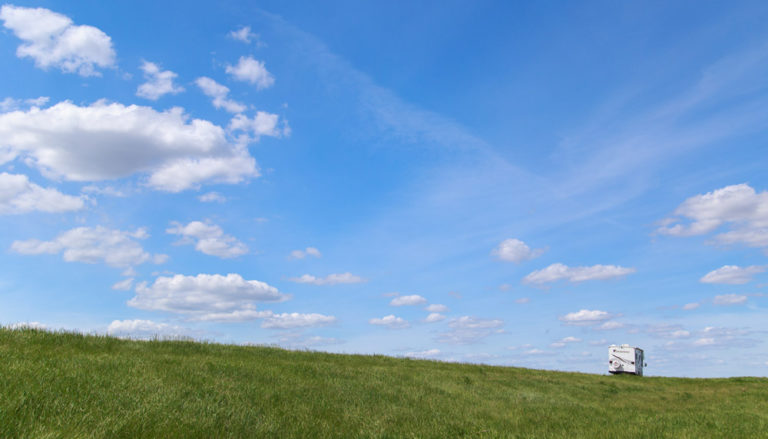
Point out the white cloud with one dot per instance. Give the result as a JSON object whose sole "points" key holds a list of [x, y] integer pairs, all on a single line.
{"points": [[610, 326], [143, 329], [253, 71], [514, 250], [52, 40], [467, 330], [564, 341], [331, 279], [309, 251], [691, 306], [469, 322], [732, 274], [27, 325], [720, 337], [158, 83], [208, 238], [106, 190], [729, 299], [92, 245], [411, 300], [586, 317], [535, 352], [297, 340], [123, 285], [522, 300], [206, 296], [11, 104], [390, 321], [263, 124], [668, 331], [436, 307], [429, 353], [219, 93], [434, 317], [680, 333], [109, 140], [240, 315], [211, 197], [296, 320], [189, 173], [556, 272], [243, 34], [19, 195], [704, 341], [739, 206]]}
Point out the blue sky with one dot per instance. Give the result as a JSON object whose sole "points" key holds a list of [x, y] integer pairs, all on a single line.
{"points": [[495, 182]]}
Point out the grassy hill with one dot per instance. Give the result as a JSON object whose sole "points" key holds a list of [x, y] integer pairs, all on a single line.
{"points": [[68, 385]]}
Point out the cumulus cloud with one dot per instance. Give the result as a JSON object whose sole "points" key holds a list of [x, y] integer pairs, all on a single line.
{"points": [[105, 141], [522, 300], [252, 71], [159, 82], [729, 299], [205, 296], [93, 245], [436, 307], [691, 306], [331, 279], [390, 321], [143, 329], [514, 250], [263, 124], [739, 206], [27, 325], [586, 317], [296, 320], [11, 104], [19, 195], [411, 300], [208, 238], [732, 274], [219, 94], [53, 40], [556, 272], [243, 34], [191, 172], [469, 329], [212, 197], [309, 251], [434, 317]]}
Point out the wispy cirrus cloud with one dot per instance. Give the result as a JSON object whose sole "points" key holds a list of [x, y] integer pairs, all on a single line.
{"points": [[331, 279], [556, 272]]}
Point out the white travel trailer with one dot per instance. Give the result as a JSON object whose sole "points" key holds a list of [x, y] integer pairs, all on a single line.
{"points": [[625, 359]]}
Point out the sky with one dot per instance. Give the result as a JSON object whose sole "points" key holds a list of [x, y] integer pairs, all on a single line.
{"points": [[505, 183]]}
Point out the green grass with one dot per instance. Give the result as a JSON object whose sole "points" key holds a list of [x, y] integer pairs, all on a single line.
{"points": [[64, 385]]}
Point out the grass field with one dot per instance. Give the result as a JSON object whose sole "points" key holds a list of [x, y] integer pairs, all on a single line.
{"points": [[64, 385]]}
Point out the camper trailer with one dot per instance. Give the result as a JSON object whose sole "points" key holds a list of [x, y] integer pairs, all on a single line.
{"points": [[625, 359]]}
